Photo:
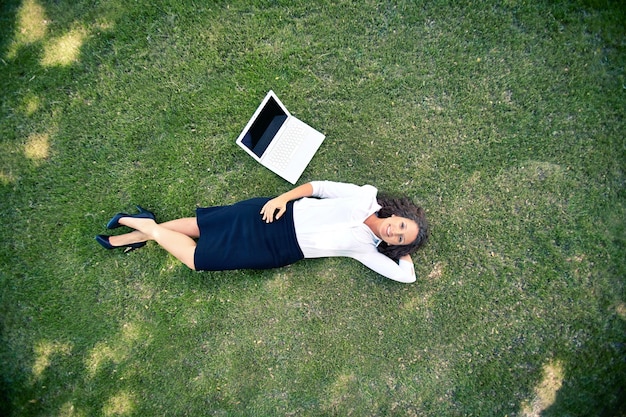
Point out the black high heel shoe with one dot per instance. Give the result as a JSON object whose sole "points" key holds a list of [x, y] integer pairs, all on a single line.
{"points": [[104, 241], [143, 214]]}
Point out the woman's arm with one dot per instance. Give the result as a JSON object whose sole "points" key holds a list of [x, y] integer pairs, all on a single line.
{"points": [[406, 264], [407, 258], [403, 271], [274, 209]]}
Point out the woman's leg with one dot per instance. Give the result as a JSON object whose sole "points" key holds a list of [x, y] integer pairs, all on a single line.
{"points": [[172, 236], [127, 238], [187, 226]]}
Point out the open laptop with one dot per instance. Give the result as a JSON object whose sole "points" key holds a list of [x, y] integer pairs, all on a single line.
{"points": [[279, 141]]}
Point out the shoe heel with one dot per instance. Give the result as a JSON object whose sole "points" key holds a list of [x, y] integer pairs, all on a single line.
{"points": [[146, 213], [114, 223], [133, 246], [104, 241]]}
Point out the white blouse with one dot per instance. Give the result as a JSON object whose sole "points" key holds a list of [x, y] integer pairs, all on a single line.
{"points": [[332, 224]]}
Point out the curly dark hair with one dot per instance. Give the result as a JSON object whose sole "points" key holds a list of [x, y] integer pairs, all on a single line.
{"points": [[402, 207]]}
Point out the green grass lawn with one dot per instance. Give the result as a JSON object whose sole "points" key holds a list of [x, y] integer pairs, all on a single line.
{"points": [[504, 119]]}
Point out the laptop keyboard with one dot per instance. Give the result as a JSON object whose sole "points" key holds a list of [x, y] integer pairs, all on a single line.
{"points": [[280, 155]]}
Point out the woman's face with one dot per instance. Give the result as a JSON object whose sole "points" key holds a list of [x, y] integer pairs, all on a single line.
{"points": [[396, 230]]}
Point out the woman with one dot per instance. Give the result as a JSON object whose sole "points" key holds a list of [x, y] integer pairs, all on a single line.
{"points": [[317, 219]]}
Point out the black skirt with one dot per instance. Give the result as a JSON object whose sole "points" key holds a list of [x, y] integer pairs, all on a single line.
{"points": [[236, 237]]}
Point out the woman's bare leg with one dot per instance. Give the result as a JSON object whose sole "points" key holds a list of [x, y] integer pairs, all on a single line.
{"points": [[179, 244], [127, 238], [187, 226]]}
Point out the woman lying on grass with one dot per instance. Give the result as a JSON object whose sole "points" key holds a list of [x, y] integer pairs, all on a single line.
{"points": [[262, 233]]}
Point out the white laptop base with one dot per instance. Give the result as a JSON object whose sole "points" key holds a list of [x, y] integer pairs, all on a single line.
{"points": [[279, 141]]}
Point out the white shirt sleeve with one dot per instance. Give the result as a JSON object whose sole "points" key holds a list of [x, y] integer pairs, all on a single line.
{"points": [[404, 271], [331, 189]]}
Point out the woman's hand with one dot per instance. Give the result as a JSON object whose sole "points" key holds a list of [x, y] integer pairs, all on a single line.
{"points": [[280, 203], [269, 210]]}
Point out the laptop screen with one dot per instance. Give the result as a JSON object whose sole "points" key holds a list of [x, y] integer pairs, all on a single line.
{"points": [[263, 129]]}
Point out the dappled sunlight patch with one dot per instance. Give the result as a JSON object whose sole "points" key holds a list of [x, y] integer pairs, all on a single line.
{"points": [[171, 264], [117, 352], [44, 351], [69, 410], [201, 382], [100, 354], [342, 391], [577, 258], [545, 392], [418, 303], [31, 26], [436, 272], [121, 404], [130, 332], [621, 310], [37, 147], [533, 174], [65, 50], [31, 104], [325, 270], [104, 25], [523, 188], [527, 200], [6, 178], [280, 282]]}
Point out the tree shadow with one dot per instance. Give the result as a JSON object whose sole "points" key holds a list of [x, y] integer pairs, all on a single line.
{"points": [[5, 383], [594, 382]]}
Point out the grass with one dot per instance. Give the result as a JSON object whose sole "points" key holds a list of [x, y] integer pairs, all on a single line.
{"points": [[504, 119]]}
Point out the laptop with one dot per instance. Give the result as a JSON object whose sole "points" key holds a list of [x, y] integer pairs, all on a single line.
{"points": [[279, 141]]}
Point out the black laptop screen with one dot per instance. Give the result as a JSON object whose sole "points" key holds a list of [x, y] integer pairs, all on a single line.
{"points": [[263, 129]]}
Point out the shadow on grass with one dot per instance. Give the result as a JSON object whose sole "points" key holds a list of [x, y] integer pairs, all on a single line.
{"points": [[602, 363], [38, 68], [7, 23], [5, 384], [8, 18]]}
